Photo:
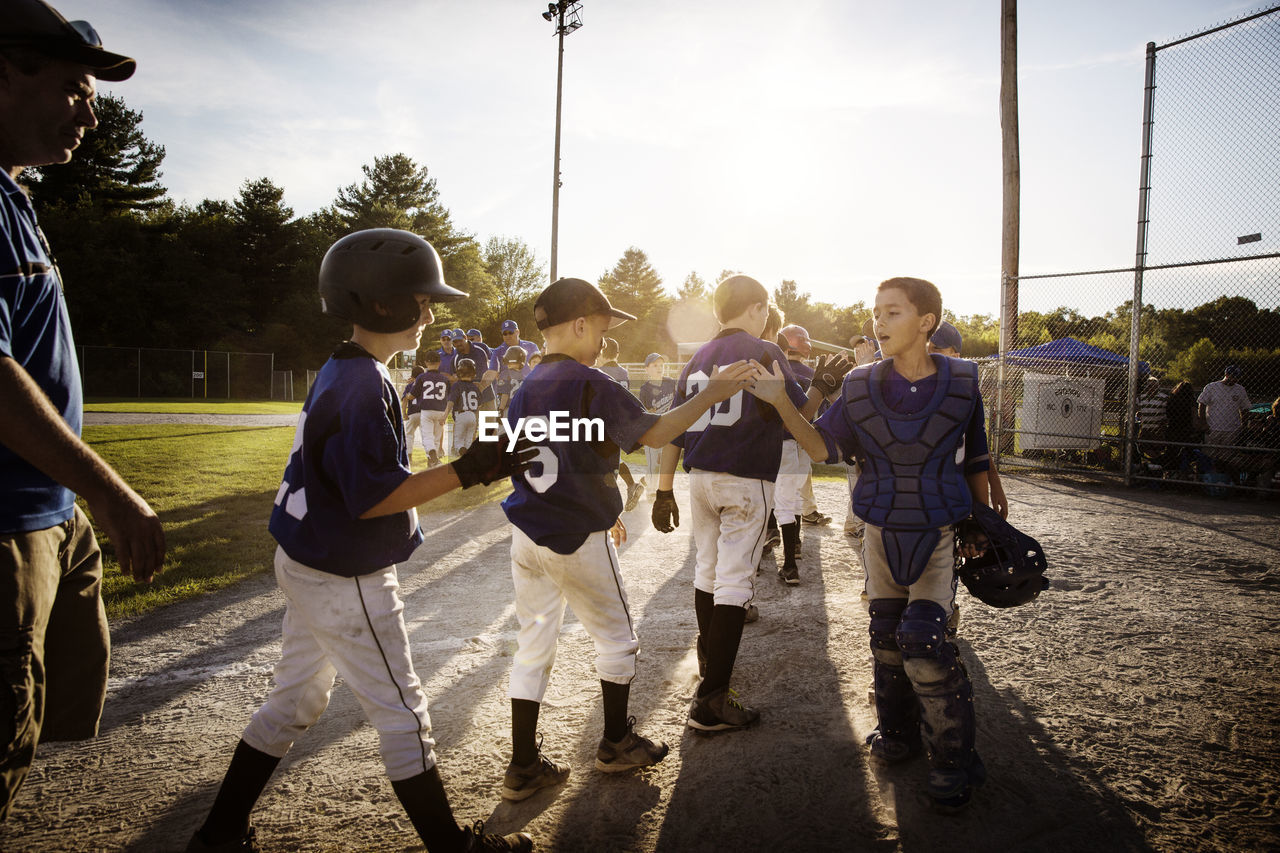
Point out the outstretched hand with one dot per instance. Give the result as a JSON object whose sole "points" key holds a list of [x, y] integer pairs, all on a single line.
{"points": [[829, 371], [487, 461], [768, 383], [729, 380], [666, 515]]}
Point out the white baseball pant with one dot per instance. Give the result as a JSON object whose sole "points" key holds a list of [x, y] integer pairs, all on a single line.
{"points": [[413, 422], [730, 518], [464, 431], [433, 432], [589, 581], [353, 627], [788, 490]]}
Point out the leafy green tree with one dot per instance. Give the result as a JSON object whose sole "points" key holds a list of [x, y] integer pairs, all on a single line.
{"points": [[634, 286], [517, 277], [694, 289], [116, 167]]}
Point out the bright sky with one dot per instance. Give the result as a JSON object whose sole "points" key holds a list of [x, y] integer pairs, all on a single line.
{"points": [[835, 143]]}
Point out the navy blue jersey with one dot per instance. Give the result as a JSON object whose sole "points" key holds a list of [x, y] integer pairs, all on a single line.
{"points": [[447, 359], [348, 455], [618, 373], [465, 396], [804, 375], [657, 397], [571, 490], [742, 435], [478, 353], [904, 398], [428, 392], [508, 380], [500, 353]]}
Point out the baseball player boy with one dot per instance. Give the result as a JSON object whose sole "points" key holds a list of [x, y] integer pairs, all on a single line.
{"points": [[513, 373], [344, 516], [656, 395], [796, 467], [915, 421], [564, 511], [732, 453], [430, 389], [608, 362], [463, 401]]}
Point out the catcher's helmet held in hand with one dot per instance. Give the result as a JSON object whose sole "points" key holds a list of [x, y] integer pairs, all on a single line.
{"points": [[1011, 571], [373, 278]]}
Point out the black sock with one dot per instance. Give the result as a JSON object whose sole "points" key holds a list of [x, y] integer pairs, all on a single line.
{"points": [[246, 777], [790, 543], [524, 731], [703, 604], [722, 647], [427, 805], [615, 709], [773, 521]]}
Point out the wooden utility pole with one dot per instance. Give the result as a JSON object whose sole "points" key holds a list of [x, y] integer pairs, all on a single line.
{"points": [[1009, 233], [1009, 230]]}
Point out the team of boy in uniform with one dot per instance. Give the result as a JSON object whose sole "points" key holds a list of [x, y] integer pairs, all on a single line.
{"points": [[345, 514]]}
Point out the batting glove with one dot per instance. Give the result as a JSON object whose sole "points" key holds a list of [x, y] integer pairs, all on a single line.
{"points": [[829, 371], [486, 461], [666, 515]]}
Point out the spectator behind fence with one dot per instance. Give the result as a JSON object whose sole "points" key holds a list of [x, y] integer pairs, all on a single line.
{"points": [[1221, 405], [1183, 427]]}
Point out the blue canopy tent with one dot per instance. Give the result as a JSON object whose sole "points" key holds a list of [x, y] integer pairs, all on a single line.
{"points": [[1068, 352]]}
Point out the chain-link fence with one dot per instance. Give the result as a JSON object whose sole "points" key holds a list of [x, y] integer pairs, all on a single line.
{"points": [[1185, 389], [148, 372]]}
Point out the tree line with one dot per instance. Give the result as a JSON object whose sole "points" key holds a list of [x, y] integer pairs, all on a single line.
{"points": [[142, 270]]}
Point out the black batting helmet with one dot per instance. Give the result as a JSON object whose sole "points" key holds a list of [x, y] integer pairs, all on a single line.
{"points": [[466, 369], [1011, 571], [373, 278]]}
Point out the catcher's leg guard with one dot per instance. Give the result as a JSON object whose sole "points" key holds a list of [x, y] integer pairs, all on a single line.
{"points": [[897, 733], [945, 694]]}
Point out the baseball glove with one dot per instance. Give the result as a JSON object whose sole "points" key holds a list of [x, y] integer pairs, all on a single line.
{"points": [[666, 515], [829, 371], [486, 461]]}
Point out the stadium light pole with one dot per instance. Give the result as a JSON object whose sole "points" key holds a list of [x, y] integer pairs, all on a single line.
{"points": [[567, 16]]}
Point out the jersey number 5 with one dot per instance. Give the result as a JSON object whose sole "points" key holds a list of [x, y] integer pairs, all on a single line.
{"points": [[725, 413]]}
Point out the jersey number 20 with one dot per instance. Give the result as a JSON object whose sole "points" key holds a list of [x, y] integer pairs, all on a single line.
{"points": [[725, 413]]}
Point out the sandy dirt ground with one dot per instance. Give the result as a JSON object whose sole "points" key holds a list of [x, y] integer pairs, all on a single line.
{"points": [[1134, 706]]}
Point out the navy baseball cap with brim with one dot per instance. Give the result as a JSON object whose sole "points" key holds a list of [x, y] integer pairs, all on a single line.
{"points": [[510, 326], [947, 336], [652, 357], [446, 334], [459, 335], [1232, 370], [567, 299], [37, 25], [474, 333]]}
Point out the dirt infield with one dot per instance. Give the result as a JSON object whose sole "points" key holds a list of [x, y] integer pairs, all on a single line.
{"points": [[1134, 706]]}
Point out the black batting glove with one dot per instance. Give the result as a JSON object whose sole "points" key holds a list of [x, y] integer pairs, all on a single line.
{"points": [[486, 461], [829, 371], [666, 515]]}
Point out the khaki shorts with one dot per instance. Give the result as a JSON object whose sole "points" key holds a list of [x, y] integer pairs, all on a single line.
{"points": [[54, 645]]}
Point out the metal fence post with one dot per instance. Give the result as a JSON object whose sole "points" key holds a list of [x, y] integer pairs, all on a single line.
{"points": [[1139, 261]]}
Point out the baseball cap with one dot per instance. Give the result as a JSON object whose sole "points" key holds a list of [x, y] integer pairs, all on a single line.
{"points": [[1232, 370], [568, 299], [947, 336], [458, 335], [446, 334], [652, 357], [474, 333], [36, 24], [510, 326]]}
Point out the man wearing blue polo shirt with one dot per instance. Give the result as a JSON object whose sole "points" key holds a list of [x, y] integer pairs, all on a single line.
{"points": [[54, 643]]}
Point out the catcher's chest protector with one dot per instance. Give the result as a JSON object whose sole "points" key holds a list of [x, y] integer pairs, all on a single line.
{"points": [[912, 480]]}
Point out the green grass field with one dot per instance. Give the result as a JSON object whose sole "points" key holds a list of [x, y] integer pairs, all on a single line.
{"points": [[169, 406], [213, 488]]}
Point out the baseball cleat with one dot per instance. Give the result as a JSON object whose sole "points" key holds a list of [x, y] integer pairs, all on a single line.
{"points": [[753, 614], [634, 492], [478, 842], [720, 711], [951, 789], [889, 750], [246, 843], [789, 575], [520, 783], [816, 518], [631, 752]]}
